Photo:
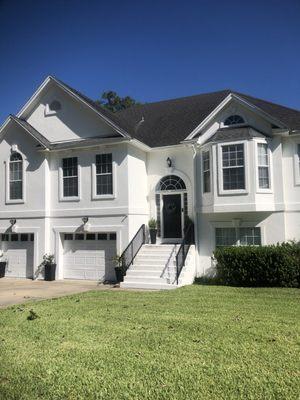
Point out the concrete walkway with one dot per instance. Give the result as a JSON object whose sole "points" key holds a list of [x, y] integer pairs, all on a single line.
{"points": [[16, 291]]}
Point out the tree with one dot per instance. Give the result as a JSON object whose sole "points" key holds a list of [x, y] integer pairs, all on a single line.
{"points": [[113, 102]]}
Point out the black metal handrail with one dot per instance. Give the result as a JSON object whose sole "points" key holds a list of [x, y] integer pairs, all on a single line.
{"points": [[187, 240], [132, 249]]}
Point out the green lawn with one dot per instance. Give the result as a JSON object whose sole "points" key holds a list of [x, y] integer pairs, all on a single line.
{"points": [[198, 342]]}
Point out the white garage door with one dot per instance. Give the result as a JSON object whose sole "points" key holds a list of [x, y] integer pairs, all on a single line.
{"points": [[18, 251], [89, 256]]}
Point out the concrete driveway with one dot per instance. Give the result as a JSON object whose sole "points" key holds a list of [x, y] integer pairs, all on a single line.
{"points": [[15, 291]]}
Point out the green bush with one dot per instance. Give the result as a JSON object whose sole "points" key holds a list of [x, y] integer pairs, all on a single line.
{"points": [[275, 265]]}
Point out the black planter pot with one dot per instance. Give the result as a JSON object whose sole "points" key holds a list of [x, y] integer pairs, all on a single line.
{"points": [[50, 272], [119, 274], [2, 268], [153, 233]]}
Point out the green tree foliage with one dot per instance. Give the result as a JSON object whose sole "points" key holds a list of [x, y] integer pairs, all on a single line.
{"points": [[113, 102]]}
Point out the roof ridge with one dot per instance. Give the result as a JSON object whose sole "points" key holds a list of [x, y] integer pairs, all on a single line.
{"points": [[175, 99]]}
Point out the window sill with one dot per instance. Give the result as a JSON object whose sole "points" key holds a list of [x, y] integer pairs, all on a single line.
{"points": [[264, 191], [233, 192], [17, 201], [63, 199], [104, 197]]}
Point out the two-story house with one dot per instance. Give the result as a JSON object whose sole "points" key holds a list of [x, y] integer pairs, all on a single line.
{"points": [[79, 181]]}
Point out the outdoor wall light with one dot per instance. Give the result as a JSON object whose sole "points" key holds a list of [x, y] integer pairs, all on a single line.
{"points": [[169, 162], [12, 221], [85, 220]]}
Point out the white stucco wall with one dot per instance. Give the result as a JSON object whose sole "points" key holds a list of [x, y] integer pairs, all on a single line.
{"points": [[73, 121]]}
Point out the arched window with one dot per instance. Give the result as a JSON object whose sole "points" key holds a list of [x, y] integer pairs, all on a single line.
{"points": [[171, 182], [234, 120], [16, 176]]}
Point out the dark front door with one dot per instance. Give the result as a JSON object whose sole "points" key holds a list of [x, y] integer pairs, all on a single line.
{"points": [[172, 216]]}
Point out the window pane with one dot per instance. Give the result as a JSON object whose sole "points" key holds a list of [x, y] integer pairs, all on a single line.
{"points": [[225, 237], [24, 237], [4, 237], [263, 176], [15, 190], [250, 236], [79, 236], [102, 236], [206, 172], [90, 236], [233, 178], [70, 187], [104, 184], [262, 150], [14, 237], [104, 179], [68, 236], [112, 236]]}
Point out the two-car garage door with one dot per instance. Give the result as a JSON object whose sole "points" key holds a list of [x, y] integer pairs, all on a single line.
{"points": [[89, 256], [18, 252]]}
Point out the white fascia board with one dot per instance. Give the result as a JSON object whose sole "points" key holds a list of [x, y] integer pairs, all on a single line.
{"points": [[223, 103], [83, 144], [209, 117], [259, 111], [107, 120], [11, 119], [78, 98], [34, 96]]}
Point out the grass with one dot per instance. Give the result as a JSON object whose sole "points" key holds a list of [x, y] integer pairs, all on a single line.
{"points": [[198, 342]]}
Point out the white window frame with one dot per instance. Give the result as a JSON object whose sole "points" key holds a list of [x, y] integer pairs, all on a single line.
{"points": [[230, 224], [48, 112], [270, 165], [8, 200], [297, 164], [246, 168], [210, 170], [61, 183], [96, 196]]}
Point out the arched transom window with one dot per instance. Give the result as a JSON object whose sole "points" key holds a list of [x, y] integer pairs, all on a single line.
{"points": [[16, 176], [234, 120], [171, 182]]}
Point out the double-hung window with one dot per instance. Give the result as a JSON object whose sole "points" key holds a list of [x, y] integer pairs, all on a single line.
{"points": [[70, 177], [233, 167], [104, 174], [206, 171], [263, 166], [298, 153], [15, 177]]}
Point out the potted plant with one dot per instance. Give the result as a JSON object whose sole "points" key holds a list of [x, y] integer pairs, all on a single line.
{"points": [[3, 264], [49, 267], [118, 268], [152, 230]]}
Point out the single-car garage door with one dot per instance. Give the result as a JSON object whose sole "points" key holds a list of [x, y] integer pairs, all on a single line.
{"points": [[89, 256], [18, 252]]}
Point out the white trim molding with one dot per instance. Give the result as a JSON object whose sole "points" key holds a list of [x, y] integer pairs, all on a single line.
{"points": [[297, 163], [231, 192], [270, 166], [96, 196]]}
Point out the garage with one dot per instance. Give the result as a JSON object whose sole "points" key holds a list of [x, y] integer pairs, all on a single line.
{"points": [[18, 252], [89, 256]]}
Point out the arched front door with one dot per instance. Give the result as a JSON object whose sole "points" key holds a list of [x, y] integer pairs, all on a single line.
{"points": [[171, 199]]}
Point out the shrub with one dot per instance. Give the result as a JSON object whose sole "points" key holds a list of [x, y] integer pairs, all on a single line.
{"points": [[275, 265]]}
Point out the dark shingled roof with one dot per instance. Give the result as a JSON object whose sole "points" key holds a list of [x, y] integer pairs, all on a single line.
{"points": [[235, 133], [169, 122]]}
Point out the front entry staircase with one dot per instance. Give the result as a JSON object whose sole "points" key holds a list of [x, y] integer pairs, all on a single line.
{"points": [[154, 267]]}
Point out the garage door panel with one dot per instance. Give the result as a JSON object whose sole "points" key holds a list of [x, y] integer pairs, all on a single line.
{"points": [[19, 256], [89, 259]]}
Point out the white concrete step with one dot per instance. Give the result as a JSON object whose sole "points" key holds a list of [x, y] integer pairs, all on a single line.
{"points": [[147, 286]]}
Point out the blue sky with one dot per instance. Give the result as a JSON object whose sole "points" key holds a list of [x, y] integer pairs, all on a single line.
{"points": [[151, 50]]}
